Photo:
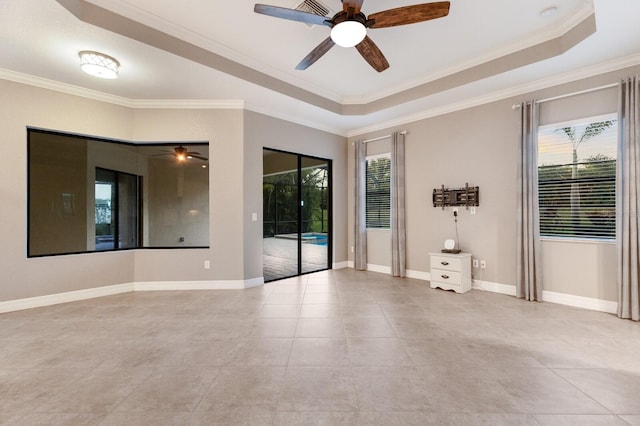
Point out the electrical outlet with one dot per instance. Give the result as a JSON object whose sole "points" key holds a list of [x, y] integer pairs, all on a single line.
{"points": [[483, 264], [455, 209], [472, 210], [475, 263], [207, 264]]}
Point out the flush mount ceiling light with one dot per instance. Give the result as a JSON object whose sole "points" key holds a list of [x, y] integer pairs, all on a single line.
{"points": [[348, 33], [99, 64]]}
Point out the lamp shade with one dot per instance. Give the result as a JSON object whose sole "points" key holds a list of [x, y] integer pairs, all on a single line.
{"points": [[99, 64], [348, 33]]}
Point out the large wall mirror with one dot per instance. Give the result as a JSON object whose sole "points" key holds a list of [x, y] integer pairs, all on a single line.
{"points": [[89, 194]]}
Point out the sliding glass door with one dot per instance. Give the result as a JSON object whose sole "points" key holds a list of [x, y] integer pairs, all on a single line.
{"points": [[296, 213], [314, 241], [117, 204]]}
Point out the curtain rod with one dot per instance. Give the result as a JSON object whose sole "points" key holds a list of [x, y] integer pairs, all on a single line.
{"points": [[581, 92], [404, 132]]}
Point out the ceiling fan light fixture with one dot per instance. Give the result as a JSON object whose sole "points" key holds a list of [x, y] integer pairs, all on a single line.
{"points": [[348, 33], [98, 64]]}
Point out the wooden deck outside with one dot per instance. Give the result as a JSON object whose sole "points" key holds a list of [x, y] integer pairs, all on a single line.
{"points": [[280, 258]]}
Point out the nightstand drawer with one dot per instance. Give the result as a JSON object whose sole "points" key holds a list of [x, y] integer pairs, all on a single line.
{"points": [[449, 263], [444, 276]]}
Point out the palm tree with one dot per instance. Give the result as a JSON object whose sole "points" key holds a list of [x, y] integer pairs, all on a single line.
{"points": [[590, 132]]}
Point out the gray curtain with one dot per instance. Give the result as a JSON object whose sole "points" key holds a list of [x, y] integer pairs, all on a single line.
{"points": [[529, 276], [360, 261], [628, 183], [398, 229]]}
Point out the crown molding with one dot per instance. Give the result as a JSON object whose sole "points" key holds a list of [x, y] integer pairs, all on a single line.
{"points": [[106, 19], [89, 12], [583, 16], [187, 104], [609, 66], [68, 89], [154, 21], [95, 95], [294, 119], [151, 20], [564, 78]]}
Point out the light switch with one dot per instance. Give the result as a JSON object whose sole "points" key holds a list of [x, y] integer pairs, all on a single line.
{"points": [[254, 217]]}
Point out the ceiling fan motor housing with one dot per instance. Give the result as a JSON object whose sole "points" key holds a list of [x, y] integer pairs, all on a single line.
{"points": [[350, 16]]}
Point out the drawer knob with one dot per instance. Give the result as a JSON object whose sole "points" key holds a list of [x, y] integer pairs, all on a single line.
{"points": [[444, 263], [445, 276]]}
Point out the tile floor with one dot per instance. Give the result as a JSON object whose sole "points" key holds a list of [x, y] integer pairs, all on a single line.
{"points": [[332, 348]]}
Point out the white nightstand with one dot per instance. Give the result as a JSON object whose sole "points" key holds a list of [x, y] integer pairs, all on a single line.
{"points": [[451, 271]]}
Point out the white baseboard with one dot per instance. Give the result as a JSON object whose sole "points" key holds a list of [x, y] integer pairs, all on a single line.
{"points": [[189, 285], [509, 290], [254, 282], [350, 264], [90, 293], [69, 296], [580, 302], [342, 265], [378, 268]]}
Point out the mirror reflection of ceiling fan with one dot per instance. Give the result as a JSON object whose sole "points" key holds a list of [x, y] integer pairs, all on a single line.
{"points": [[349, 26], [183, 154]]}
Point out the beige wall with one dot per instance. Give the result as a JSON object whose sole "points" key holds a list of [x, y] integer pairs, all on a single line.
{"points": [[441, 151], [235, 182], [261, 132], [479, 146], [178, 206], [223, 129], [22, 106]]}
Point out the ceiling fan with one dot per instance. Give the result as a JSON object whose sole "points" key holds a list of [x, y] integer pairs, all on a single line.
{"points": [[183, 154], [349, 26]]}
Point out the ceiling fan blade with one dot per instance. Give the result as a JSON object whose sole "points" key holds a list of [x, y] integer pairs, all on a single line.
{"points": [[199, 157], [316, 54], [356, 4], [291, 14], [409, 14], [372, 54], [193, 152]]}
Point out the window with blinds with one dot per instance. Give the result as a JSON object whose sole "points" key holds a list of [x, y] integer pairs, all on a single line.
{"points": [[577, 178], [378, 191]]}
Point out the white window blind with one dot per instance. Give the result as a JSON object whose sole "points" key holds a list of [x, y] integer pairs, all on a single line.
{"points": [[577, 178], [378, 191]]}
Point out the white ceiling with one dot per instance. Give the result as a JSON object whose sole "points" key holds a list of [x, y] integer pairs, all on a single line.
{"points": [[40, 40]]}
